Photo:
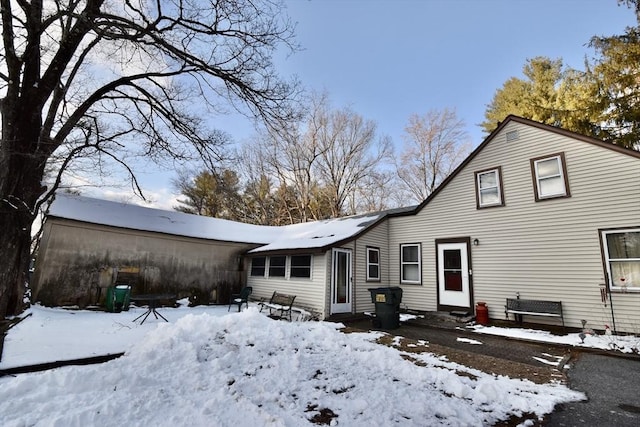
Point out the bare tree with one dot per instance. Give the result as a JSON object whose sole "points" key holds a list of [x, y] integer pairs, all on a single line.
{"points": [[323, 160], [116, 80], [350, 154], [291, 152], [434, 144]]}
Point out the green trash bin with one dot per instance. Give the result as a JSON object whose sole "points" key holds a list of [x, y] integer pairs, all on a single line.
{"points": [[118, 298], [387, 302]]}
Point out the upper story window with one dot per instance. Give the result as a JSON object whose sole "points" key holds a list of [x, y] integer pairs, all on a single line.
{"points": [[622, 258], [550, 177], [277, 266], [489, 188], [258, 265], [410, 264], [373, 264], [300, 266]]}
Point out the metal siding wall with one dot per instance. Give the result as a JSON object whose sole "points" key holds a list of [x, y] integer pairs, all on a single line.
{"points": [[544, 250]]}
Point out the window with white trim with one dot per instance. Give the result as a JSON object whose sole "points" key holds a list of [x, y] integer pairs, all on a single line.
{"points": [[373, 264], [410, 263], [300, 266], [549, 175], [258, 266], [277, 266], [622, 258], [489, 188]]}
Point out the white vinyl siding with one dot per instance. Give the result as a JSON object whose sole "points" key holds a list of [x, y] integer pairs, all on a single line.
{"points": [[374, 237], [545, 250]]}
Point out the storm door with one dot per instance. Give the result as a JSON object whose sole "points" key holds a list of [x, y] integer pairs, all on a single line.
{"points": [[454, 291], [341, 281]]}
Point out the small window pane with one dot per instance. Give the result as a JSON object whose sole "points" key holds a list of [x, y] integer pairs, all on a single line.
{"points": [[550, 167], [488, 179], [374, 272], [373, 256], [551, 186], [258, 266], [277, 266], [489, 197], [410, 253], [300, 266], [624, 245], [410, 273], [625, 273]]}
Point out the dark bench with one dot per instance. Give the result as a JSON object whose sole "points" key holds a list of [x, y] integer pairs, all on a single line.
{"points": [[279, 303], [519, 307]]}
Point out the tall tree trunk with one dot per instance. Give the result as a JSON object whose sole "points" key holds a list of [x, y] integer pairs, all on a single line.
{"points": [[21, 172]]}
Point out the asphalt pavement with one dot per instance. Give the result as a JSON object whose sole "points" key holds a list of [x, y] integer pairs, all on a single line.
{"points": [[612, 386]]}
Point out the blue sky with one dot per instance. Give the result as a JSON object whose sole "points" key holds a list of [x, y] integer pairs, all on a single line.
{"points": [[389, 59]]}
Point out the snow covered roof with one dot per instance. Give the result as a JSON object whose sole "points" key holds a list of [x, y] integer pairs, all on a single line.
{"points": [[319, 234], [309, 235]]}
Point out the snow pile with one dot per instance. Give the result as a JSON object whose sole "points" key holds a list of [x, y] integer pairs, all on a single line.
{"points": [[244, 369]]}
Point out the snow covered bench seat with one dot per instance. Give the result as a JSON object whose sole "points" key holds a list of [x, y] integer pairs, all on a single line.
{"points": [[519, 307], [279, 303]]}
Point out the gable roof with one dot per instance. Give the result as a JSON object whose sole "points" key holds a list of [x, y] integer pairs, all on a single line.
{"points": [[528, 122], [317, 235]]}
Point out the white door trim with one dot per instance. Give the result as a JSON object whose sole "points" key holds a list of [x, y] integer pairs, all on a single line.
{"points": [[341, 280]]}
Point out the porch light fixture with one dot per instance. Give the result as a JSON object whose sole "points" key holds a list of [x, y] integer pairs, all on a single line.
{"points": [[476, 242]]}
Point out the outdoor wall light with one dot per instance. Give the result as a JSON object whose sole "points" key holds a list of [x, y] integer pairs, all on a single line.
{"points": [[476, 242]]}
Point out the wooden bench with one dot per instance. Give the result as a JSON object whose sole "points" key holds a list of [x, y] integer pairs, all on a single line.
{"points": [[519, 307], [280, 303]]}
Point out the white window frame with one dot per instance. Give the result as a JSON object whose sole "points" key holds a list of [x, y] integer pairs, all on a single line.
{"points": [[418, 263], [370, 264], [613, 282], [498, 187], [562, 175]]}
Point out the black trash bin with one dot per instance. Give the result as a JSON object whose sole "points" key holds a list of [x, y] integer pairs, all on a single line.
{"points": [[387, 302]]}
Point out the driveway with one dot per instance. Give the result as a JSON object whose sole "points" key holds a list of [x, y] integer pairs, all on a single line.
{"points": [[612, 386]]}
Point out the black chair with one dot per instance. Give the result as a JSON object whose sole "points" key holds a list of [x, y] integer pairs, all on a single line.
{"points": [[241, 298]]}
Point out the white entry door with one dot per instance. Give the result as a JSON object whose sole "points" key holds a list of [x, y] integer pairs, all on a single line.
{"points": [[341, 281], [453, 275]]}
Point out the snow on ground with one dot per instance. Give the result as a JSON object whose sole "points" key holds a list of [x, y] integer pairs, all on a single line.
{"points": [[206, 367], [621, 343]]}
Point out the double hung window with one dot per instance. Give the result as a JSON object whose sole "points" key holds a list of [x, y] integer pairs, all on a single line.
{"points": [[622, 257], [489, 188], [410, 264], [550, 177], [373, 264]]}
